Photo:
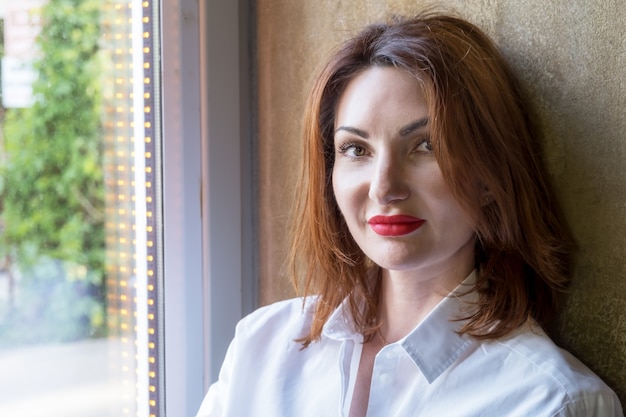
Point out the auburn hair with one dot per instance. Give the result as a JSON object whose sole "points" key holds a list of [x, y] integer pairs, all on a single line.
{"points": [[488, 152]]}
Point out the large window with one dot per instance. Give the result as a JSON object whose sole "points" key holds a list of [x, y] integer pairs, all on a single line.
{"points": [[80, 285], [126, 212]]}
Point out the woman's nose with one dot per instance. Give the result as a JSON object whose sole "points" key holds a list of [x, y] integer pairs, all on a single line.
{"points": [[388, 183]]}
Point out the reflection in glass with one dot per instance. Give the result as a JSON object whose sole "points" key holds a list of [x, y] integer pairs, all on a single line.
{"points": [[79, 198]]}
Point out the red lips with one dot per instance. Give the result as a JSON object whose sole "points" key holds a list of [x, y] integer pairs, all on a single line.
{"points": [[398, 225]]}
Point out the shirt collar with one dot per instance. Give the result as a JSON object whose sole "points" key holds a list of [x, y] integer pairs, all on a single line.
{"points": [[435, 343], [340, 325]]}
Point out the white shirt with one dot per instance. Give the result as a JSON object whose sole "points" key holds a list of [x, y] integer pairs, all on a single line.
{"points": [[432, 372]]}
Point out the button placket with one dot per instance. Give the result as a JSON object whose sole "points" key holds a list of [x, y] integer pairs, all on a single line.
{"points": [[385, 366]]}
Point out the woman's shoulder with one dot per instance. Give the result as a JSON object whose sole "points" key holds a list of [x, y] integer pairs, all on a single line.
{"points": [[544, 363], [291, 317], [534, 348]]}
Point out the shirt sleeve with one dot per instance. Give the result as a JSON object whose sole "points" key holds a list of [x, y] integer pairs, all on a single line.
{"points": [[214, 402], [265, 327], [604, 404]]}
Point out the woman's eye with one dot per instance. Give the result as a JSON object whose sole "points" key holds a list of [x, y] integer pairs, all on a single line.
{"points": [[352, 150], [424, 146]]}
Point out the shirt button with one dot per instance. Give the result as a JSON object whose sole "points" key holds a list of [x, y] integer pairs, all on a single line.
{"points": [[385, 378], [390, 353]]}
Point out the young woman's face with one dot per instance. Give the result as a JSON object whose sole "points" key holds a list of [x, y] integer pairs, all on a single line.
{"points": [[387, 181]]}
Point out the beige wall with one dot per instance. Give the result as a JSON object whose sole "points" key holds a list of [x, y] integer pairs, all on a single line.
{"points": [[571, 54]]}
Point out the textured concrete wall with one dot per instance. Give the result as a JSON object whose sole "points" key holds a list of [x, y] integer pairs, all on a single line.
{"points": [[570, 54]]}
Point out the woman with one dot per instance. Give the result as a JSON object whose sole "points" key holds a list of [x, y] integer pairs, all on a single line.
{"points": [[428, 243]]}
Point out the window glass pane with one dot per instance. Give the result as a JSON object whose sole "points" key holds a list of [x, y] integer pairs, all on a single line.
{"points": [[79, 209]]}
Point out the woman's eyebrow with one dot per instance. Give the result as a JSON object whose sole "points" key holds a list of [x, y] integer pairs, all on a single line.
{"points": [[413, 126], [354, 130]]}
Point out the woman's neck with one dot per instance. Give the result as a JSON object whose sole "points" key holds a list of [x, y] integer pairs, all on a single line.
{"points": [[408, 297]]}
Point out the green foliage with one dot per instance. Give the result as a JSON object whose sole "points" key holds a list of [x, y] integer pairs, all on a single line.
{"points": [[52, 307], [52, 181]]}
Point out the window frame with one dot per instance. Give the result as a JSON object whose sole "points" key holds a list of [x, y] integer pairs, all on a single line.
{"points": [[209, 277]]}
